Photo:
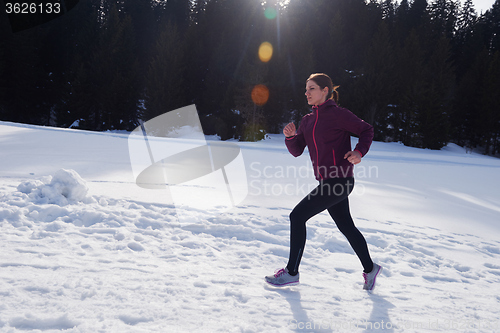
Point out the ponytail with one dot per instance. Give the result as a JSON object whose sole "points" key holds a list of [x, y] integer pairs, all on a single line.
{"points": [[335, 94]]}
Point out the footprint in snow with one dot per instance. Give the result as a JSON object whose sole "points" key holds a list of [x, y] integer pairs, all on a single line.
{"points": [[135, 246]]}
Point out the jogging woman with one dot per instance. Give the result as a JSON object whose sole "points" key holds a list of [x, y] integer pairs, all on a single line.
{"points": [[326, 133]]}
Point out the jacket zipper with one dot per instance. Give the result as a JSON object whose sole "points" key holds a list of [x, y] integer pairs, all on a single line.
{"points": [[315, 145]]}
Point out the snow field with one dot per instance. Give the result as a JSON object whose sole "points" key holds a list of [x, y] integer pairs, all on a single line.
{"points": [[85, 250]]}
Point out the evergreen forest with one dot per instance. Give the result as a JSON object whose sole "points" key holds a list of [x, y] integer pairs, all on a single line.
{"points": [[424, 73]]}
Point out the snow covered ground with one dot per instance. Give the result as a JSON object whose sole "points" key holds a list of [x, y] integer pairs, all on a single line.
{"points": [[84, 249]]}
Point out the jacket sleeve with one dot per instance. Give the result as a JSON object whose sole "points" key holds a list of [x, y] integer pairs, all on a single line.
{"points": [[296, 144], [359, 127]]}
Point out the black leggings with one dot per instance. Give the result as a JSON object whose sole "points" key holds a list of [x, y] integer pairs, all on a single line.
{"points": [[331, 194]]}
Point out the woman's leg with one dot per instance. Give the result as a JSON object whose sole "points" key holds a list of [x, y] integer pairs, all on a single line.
{"points": [[342, 217], [328, 193]]}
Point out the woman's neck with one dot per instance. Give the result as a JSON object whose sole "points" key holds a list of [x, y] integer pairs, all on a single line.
{"points": [[321, 103]]}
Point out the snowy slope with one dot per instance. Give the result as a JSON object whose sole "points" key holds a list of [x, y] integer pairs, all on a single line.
{"points": [[85, 250]]}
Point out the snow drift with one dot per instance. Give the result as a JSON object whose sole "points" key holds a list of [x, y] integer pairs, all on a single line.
{"points": [[65, 187]]}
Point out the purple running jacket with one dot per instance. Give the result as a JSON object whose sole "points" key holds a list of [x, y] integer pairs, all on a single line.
{"points": [[327, 133]]}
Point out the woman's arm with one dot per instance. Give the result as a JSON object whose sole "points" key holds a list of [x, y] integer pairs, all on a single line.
{"points": [[294, 140], [289, 130], [363, 130]]}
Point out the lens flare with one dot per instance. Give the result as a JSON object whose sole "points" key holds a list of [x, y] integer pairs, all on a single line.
{"points": [[265, 52], [260, 94], [270, 13]]}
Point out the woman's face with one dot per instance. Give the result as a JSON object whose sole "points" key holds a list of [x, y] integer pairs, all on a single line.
{"points": [[314, 94]]}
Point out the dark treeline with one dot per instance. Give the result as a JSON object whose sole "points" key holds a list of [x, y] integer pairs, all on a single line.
{"points": [[424, 73]]}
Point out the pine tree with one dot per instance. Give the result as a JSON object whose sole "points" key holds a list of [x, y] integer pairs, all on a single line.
{"points": [[177, 12], [375, 88], [418, 14], [444, 16], [198, 55], [250, 99], [466, 19], [23, 73], [466, 105], [2, 78], [401, 22], [105, 92], [388, 8], [78, 88], [116, 70], [361, 21], [420, 21], [234, 33], [338, 55], [55, 57], [410, 91], [492, 19], [466, 41], [436, 103], [276, 109], [146, 30], [197, 11], [489, 117], [4, 31], [301, 64], [166, 81]]}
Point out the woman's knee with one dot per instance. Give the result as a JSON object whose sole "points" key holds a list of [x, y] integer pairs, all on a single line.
{"points": [[349, 230], [297, 217]]}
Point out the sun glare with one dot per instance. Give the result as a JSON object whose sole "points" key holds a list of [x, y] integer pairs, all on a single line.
{"points": [[281, 4], [265, 52], [260, 94]]}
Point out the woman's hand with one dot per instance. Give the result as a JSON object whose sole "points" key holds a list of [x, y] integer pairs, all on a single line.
{"points": [[289, 130], [353, 156]]}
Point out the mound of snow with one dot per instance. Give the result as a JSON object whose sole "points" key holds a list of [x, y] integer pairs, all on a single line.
{"points": [[30, 322], [65, 187]]}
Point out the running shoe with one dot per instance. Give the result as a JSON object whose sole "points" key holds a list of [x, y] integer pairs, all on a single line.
{"points": [[282, 278], [371, 277]]}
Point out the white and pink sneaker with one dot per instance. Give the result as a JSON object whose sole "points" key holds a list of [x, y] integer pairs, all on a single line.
{"points": [[282, 278], [371, 277]]}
